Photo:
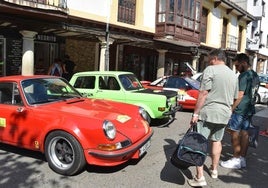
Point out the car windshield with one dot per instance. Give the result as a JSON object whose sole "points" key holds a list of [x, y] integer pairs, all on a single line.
{"points": [[45, 90], [263, 78], [181, 83], [130, 82], [194, 83]]}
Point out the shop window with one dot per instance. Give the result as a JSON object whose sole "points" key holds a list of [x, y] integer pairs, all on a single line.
{"points": [[126, 11]]}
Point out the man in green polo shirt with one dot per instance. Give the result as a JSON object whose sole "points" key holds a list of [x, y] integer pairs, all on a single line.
{"points": [[243, 109]]}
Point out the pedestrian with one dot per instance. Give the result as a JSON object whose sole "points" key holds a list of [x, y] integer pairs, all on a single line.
{"points": [[56, 68], [69, 67], [243, 109], [218, 90]]}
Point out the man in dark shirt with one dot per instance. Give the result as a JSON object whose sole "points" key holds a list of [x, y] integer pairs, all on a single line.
{"points": [[243, 109], [69, 67]]}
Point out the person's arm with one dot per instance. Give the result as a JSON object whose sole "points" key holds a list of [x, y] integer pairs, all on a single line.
{"points": [[238, 100], [49, 70], [199, 104]]}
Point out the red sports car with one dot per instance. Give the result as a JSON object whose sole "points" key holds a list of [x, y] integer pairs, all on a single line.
{"points": [[186, 87], [46, 114]]}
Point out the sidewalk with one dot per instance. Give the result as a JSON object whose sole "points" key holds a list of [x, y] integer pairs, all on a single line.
{"points": [[255, 175]]}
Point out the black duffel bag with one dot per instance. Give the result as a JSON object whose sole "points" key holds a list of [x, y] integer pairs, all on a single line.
{"points": [[191, 150]]}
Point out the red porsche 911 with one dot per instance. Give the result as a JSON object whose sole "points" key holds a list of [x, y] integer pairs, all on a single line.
{"points": [[46, 114]]}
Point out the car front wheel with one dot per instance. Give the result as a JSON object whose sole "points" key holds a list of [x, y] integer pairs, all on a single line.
{"points": [[64, 153]]}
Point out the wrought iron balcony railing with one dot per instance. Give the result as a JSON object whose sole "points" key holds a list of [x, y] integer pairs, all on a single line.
{"points": [[42, 4], [229, 42]]}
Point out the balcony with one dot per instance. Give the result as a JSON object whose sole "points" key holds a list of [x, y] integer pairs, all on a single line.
{"points": [[232, 43], [256, 11], [253, 44], [56, 5], [229, 42]]}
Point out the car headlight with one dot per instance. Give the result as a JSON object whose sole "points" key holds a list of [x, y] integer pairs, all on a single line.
{"points": [[109, 129], [144, 115]]}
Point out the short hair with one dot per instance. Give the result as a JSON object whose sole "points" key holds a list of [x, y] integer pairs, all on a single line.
{"points": [[219, 53], [240, 58]]}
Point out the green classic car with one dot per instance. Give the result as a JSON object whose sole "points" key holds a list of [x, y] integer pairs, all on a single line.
{"points": [[125, 87]]}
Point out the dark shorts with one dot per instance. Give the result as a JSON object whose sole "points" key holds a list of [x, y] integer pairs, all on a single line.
{"points": [[239, 122]]}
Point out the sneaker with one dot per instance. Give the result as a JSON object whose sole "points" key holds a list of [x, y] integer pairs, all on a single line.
{"points": [[233, 163], [213, 173], [197, 182], [243, 162]]}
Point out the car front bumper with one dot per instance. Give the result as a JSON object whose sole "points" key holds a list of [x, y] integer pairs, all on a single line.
{"points": [[113, 158]]}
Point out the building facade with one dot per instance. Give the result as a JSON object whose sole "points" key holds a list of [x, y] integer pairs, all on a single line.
{"points": [[224, 25], [151, 38], [257, 33]]}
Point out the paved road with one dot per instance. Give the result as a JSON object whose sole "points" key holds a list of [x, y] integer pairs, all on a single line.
{"points": [[21, 168]]}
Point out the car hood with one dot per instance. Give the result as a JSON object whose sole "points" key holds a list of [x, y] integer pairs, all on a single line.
{"points": [[124, 116], [93, 108], [166, 93]]}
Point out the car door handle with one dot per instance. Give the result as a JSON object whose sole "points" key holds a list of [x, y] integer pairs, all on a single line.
{"points": [[87, 94]]}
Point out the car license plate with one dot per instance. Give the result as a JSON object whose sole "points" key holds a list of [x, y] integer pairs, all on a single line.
{"points": [[145, 147], [181, 97]]}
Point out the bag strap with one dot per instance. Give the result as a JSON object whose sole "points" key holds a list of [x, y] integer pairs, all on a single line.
{"points": [[192, 128]]}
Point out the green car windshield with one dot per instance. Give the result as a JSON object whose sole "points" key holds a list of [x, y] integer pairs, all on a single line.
{"points": [[130, 82]]}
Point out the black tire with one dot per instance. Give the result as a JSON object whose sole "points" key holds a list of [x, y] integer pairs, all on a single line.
{"points": [[258, 99], [64, 153]]}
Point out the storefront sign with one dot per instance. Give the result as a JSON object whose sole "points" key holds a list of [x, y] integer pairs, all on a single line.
{"points": [[13, 56], [46, 38]]}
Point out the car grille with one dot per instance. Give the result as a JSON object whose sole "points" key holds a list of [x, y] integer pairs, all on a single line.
{"points": [[125, 143]]}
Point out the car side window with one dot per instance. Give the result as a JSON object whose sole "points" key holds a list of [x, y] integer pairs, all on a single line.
{"points": [[9, 94], [113, 83], [85, 82], [102, 84]]}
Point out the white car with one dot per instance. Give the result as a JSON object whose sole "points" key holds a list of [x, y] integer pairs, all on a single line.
{"points": [[262, 96], [197, 76]]}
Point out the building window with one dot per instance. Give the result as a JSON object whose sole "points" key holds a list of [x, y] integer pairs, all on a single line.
{"points": [[224, 33], [203, 33], [240, 38], [263, 9], [267, 41], [126, 11], [184, 13]]}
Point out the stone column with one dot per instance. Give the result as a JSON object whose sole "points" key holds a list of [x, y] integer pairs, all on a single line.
{"points": [[104, 60], [265, 67], [27, 67], [102, 53], [254, 63], [161, 63], [195, 64]]}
